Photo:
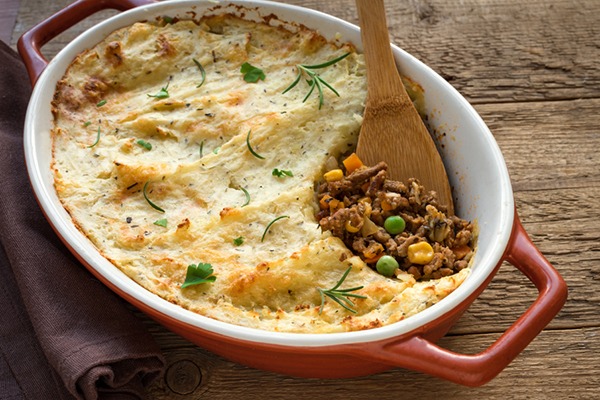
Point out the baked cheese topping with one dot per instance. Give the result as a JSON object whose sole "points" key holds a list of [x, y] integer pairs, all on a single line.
{"points": [[156, 148]]}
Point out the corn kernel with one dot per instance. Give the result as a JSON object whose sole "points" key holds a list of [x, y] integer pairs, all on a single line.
{"points": [[333, 175], [351, 228], [420, 253]]}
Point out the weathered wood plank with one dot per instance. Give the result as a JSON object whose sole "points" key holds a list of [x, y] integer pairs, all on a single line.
{"points": [[548, 145], [552, 153], [8, 16], [532, 70], [548, 368]]}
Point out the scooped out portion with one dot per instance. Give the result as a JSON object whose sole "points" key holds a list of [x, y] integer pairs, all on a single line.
{"points": [[392, 226]]}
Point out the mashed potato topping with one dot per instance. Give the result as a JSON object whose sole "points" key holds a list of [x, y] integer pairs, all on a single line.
{"points": [[166, 156]]}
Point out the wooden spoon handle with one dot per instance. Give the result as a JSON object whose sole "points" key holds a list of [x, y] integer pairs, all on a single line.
{"points": [[383, 79]]}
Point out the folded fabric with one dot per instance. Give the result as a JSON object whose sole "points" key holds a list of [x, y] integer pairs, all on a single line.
{"points": [[63, 333]]}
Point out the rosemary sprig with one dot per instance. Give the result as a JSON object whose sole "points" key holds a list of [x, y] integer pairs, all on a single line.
{"points": [[144, 144], [340, 296], [150, 201], [247, 196], [97, 139], [269, 226], [202, 71], [314, 80], [254, 153]]}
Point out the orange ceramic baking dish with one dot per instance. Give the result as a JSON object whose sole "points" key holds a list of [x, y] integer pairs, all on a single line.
{"points": [[477, 172]]}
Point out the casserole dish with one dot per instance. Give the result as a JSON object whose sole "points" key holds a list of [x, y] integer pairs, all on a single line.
{"points": [[477, 172]]}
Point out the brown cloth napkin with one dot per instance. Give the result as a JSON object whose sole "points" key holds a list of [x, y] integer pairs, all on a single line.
{"points": [[63, 334]]}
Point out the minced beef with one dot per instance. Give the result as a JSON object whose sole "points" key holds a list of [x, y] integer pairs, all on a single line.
{"points": [[355, 207]]}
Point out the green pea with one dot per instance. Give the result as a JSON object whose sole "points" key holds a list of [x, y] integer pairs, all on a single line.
{"points": [[394, 224], [386, 265]]}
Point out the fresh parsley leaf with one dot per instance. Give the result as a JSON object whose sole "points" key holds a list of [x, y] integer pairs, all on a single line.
{"points": [[282, 173], [101, 103], [87, 123], [144, 144], [161, 222], [238, 241], [251, 73], [197, 274], [163, 93]]}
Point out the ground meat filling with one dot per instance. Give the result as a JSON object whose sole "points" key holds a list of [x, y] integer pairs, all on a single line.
{"points": [[354, 207]]}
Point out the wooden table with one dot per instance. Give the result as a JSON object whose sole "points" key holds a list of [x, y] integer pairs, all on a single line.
{"points": [[532, 70]]}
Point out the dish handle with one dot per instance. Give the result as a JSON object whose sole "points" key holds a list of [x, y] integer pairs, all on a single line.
{"points": [[421, 354], [31, 42]]}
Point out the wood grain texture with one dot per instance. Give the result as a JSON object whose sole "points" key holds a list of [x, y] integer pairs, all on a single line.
{"points": [[532, 71], [8, 16], [550, 368]]}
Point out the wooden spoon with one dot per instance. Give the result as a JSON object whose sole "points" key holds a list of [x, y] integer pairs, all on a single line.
{"points": [[392, 130]]}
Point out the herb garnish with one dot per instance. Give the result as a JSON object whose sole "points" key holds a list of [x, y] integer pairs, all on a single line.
{"points": [[101, 103], [247, 196], [314, 79], [251, 73], [216, 150], [201, 148], [255, 154], [87, 123], [202, 71], [196, 274], [161, 222], [238, 241], [282, 173], [144, 144], [163, 93], [149, 201], [269, 226], [97, 139], [340, 296]]}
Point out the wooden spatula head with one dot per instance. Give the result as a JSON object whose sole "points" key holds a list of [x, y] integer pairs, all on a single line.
{"points": [[392, 129]]}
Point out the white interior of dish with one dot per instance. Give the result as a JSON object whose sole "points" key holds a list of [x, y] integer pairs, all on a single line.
{"points": [[474, 162]]}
